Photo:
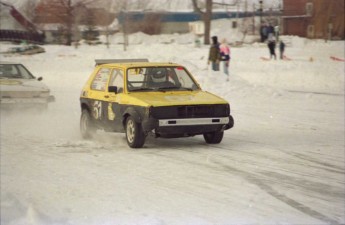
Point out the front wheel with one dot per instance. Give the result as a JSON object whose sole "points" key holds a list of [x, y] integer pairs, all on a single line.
{"points": [[134, 133], [87, 128], [214, 137]]}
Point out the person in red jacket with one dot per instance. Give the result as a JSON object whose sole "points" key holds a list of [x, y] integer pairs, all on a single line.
{"points": [[225, 56]]}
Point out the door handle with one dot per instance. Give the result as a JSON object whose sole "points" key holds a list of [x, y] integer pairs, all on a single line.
{"points": [[106, 96]]}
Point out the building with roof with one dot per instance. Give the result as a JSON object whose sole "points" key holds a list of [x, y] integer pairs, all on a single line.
{"points": [[14, 26], [323, 19], [172, 22], [76, 21]]}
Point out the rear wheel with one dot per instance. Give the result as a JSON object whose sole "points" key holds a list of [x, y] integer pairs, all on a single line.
{"points": [[134, 133], [214, 137], [87, 128]]}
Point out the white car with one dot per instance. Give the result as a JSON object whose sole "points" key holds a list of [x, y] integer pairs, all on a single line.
{"points": [[25, 50], [19, 88]]}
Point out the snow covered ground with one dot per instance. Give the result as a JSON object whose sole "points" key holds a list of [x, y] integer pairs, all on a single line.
{"points": [[282, 163]]}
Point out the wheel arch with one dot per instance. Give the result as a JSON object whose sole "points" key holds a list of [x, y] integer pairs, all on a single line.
{"points": [[84, 105], [133, 113]]}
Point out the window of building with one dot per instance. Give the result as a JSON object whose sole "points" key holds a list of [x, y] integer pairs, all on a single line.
{"points": [[310, 31], [309, 8]]}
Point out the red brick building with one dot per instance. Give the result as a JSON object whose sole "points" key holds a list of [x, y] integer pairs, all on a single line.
{"points": [[322, 19], [65, 21]]}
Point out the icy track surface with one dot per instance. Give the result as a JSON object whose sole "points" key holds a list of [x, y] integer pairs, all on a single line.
{"points": [[282, 163]]}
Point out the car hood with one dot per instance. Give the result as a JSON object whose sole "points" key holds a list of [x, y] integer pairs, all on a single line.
{"points": [[178, 98], [25, 85], [23, 88]]}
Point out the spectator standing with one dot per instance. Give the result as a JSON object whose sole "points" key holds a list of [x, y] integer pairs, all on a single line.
{"points": [[270, 30], [281, 49], [225, 56], [214, 54], [272, 46], [263, 32], [276, 32]]}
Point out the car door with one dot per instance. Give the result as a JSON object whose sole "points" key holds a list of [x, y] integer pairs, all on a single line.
{"points": [[112, 108], [98, 95]]}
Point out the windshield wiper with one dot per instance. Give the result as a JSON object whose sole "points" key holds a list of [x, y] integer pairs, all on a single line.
{"points": [[185, 88], [163, 88], [176, 88], [143, 89]]}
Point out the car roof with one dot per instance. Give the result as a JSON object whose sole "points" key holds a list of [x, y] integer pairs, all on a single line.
{"points": [[132, 63], [5, 62], [139, 64]]}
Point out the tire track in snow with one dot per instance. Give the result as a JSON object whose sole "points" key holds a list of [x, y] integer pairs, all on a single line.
{"points": [[336, 169], [324, 165], [289, 201], [253, 179]]}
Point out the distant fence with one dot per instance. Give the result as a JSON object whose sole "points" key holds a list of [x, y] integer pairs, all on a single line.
{"points": [[18, 36]]}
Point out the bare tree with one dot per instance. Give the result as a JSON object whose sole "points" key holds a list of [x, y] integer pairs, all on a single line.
{"points": [[63, 12], [29, 9], [206, 17], [207, 14], [123, 7]]}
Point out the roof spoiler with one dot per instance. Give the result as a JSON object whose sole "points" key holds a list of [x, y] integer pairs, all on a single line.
{"points": [[106, 61]]}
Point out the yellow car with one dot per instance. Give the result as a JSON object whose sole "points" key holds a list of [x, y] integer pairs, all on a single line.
{"points": [[139, 98]]}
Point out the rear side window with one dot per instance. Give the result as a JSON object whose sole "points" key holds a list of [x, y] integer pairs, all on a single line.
{"points": [[100, 81]]}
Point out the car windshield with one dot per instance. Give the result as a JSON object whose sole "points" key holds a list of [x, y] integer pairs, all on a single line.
{"points": [[14, 71], [159, 79]]}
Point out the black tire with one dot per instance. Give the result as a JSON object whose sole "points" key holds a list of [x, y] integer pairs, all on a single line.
{"points": [[134, 133], [87, 128], [213, 137]]}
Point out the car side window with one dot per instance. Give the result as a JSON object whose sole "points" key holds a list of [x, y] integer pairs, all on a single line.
{"points": [[116, 79], [7, 70], [136, 77], [172, 77], [99, 82], [24, 72], [184, 79]]}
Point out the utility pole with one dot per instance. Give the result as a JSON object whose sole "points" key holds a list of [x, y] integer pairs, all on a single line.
{"points": [[261, 10], [254, 14], [124, 30]]}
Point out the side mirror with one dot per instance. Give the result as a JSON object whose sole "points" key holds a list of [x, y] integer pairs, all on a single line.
{"points": [[40, 78], [112, 89]]}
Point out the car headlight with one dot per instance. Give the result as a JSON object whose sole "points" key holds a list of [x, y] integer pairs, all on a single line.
{"points": [[148, 111]]}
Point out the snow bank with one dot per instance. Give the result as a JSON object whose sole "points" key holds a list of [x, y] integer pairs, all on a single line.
{"points": [[309, 70]]}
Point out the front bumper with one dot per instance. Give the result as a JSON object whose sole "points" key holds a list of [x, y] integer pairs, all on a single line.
{"points": [[187, 126], [193, 121], [50, 98], [9, 103]]}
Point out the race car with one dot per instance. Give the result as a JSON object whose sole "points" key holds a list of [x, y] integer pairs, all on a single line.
{"points": [[20, 89], [139, 98]]}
